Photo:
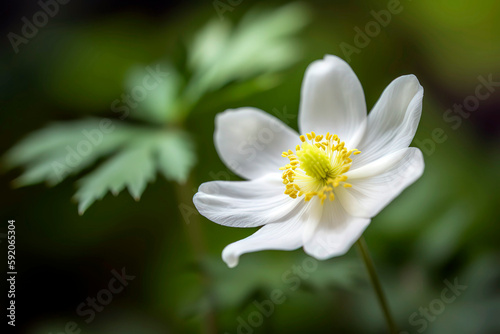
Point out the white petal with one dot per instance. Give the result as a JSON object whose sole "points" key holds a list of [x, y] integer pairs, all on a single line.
{"points": [[393, 121], [245, 203], [250, 141], [279, 236], [376, 184], [335, 233], [332, 100], [313, 217]]}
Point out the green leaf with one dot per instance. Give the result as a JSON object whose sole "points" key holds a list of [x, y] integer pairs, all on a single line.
{"points": [[206, 45], [261, 44], [62, 149], [133, 168], [170, 152], [155, 96], [176, 156]]}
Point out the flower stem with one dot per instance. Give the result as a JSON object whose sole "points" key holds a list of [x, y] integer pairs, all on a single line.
{"points": [[365, 254], [195, 236]]}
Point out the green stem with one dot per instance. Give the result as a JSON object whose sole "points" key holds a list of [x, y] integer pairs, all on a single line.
{"points": [[195, 236], [365, 254]]}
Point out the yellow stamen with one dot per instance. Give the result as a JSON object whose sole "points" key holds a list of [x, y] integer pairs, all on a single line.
{"points": [[317, 167]]}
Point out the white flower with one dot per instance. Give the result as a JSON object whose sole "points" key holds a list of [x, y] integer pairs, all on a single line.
{"points": [[319, 190]]}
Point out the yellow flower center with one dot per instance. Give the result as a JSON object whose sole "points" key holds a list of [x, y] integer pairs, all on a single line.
{"points": [[317, 167]]}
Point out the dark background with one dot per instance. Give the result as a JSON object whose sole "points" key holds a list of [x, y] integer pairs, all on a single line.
{"points": [[443, 227]]}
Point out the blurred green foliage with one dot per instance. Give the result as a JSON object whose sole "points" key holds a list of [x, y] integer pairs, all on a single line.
{"points": [[158, 95], [443, 227]]}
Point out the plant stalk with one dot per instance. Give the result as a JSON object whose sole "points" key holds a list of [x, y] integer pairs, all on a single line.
{"points": [[195, 236], [365, 254]]}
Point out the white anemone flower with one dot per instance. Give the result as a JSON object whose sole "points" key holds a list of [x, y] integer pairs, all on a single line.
{"points": [[318, 190]]}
